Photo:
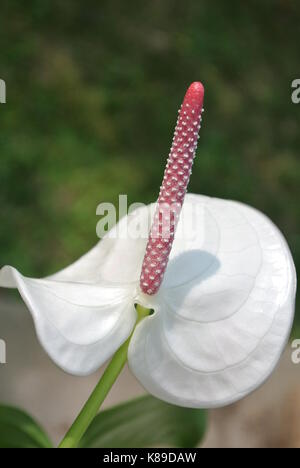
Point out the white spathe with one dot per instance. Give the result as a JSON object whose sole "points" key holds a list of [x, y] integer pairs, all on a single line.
{"points": [[222, 316]]}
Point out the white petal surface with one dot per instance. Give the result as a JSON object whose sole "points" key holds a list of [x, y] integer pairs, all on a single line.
{"points": [[85, 312], [220, 328], [79, 325]]}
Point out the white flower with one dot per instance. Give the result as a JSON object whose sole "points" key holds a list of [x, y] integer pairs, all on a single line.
{"points": [[222, 315], [223, 297]]}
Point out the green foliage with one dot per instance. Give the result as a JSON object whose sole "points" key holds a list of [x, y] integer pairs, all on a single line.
{"points": [[19, 430], [143, 422], [92, 94], [146, 422]]}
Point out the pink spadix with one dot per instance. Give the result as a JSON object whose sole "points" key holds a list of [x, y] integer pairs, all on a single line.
{"points": [[173, 190]]}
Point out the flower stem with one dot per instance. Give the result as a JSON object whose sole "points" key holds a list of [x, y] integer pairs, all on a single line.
{"points": [[108, 378]]}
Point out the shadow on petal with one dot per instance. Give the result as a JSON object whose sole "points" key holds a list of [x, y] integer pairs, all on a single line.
{"points": [[189, 266]]}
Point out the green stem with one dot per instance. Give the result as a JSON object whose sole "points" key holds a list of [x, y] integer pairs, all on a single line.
{"points": [[91, 407]]}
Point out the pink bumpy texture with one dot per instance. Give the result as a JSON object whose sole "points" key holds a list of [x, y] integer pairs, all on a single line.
{"points": [[173, 190]]}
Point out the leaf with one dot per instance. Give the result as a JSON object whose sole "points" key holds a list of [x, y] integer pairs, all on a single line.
{"points": [[19, 430], [146, 422]]}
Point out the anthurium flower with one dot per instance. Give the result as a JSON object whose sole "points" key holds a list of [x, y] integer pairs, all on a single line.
{"points": [[222, 293]]}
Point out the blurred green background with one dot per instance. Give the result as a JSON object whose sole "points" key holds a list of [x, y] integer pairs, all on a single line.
{"points": [[93, 90]]}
